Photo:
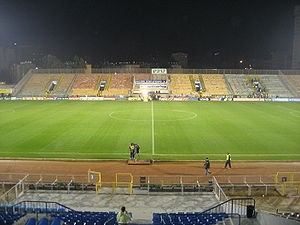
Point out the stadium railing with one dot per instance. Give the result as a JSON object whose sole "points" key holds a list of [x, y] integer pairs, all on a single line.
{"points": [[233, 206], [220, 194], [15, 192], [39, 207], [221, 185], [250, 185]]}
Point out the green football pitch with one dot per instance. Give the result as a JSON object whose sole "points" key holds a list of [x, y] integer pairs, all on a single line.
{"points": [[164, 130]]}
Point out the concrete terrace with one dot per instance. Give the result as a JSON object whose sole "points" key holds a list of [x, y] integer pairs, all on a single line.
{"points": [[141, 204]]}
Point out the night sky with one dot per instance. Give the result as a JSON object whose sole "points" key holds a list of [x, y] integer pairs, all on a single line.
{"points": [[147, 30]]}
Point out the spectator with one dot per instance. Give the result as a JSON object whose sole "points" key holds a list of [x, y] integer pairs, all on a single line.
{"points": [[123, 217]]}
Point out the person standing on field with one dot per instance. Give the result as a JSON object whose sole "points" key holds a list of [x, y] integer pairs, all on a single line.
{"points": [[207, 166], [228, 160]]}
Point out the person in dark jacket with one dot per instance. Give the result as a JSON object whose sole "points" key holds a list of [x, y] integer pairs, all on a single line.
{"points": [[207, 166]]}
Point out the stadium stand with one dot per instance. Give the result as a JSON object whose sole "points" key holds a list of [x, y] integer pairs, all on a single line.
{"points": [[274, 86], [188, 218], [58, 212], [38, 84], [214, 84], [181, 84], [142, 76], [294, 83], [74, 218], [64, 86], [18, 87], [118, 84], [239, 85], [86, 84], [159, 77]]}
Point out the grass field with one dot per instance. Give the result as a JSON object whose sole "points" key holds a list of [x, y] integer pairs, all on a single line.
{"points": [[165, 130]]}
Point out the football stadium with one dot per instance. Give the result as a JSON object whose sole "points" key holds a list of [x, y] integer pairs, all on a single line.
{"points": [[149, 113], [200, 115]]}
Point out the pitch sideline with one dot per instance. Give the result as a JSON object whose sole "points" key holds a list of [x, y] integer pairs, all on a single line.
{"points": [[103, 153]]}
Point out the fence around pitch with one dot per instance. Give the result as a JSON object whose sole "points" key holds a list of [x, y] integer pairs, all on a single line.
{"points": [[246, 179], [230, 184], [48, 181], [291, 177]]}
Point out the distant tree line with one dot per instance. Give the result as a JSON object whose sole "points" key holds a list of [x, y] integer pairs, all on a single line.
{"points": [[51, 61]]}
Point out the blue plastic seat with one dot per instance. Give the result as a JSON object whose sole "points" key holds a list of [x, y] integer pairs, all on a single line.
{"points": [[31, 221], [56, 222], [43, 221]]}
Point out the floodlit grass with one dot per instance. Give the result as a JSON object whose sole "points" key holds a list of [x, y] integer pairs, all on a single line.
{"points": [[181, 130]]}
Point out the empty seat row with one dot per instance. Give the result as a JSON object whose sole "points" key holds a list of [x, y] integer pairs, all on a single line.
{"points": [[43, 221], [87, 218], [239, 84], [9, 217], [188, 218], [181, 84], [215, 84]]}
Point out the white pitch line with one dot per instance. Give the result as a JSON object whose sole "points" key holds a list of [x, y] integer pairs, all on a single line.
{"points": [[152, 121]]}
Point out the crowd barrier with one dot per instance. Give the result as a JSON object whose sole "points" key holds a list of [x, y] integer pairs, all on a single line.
{"points": [[161, 99]]}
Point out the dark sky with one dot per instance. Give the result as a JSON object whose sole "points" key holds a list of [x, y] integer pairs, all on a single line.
{"points": [[140, 30]]}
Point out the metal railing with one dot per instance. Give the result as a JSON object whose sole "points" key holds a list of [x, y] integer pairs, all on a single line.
{"points": [[221, 185], [39, 207], [217, 189], [181, 184], [250, 185], [15, 192], [233, 206]]}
